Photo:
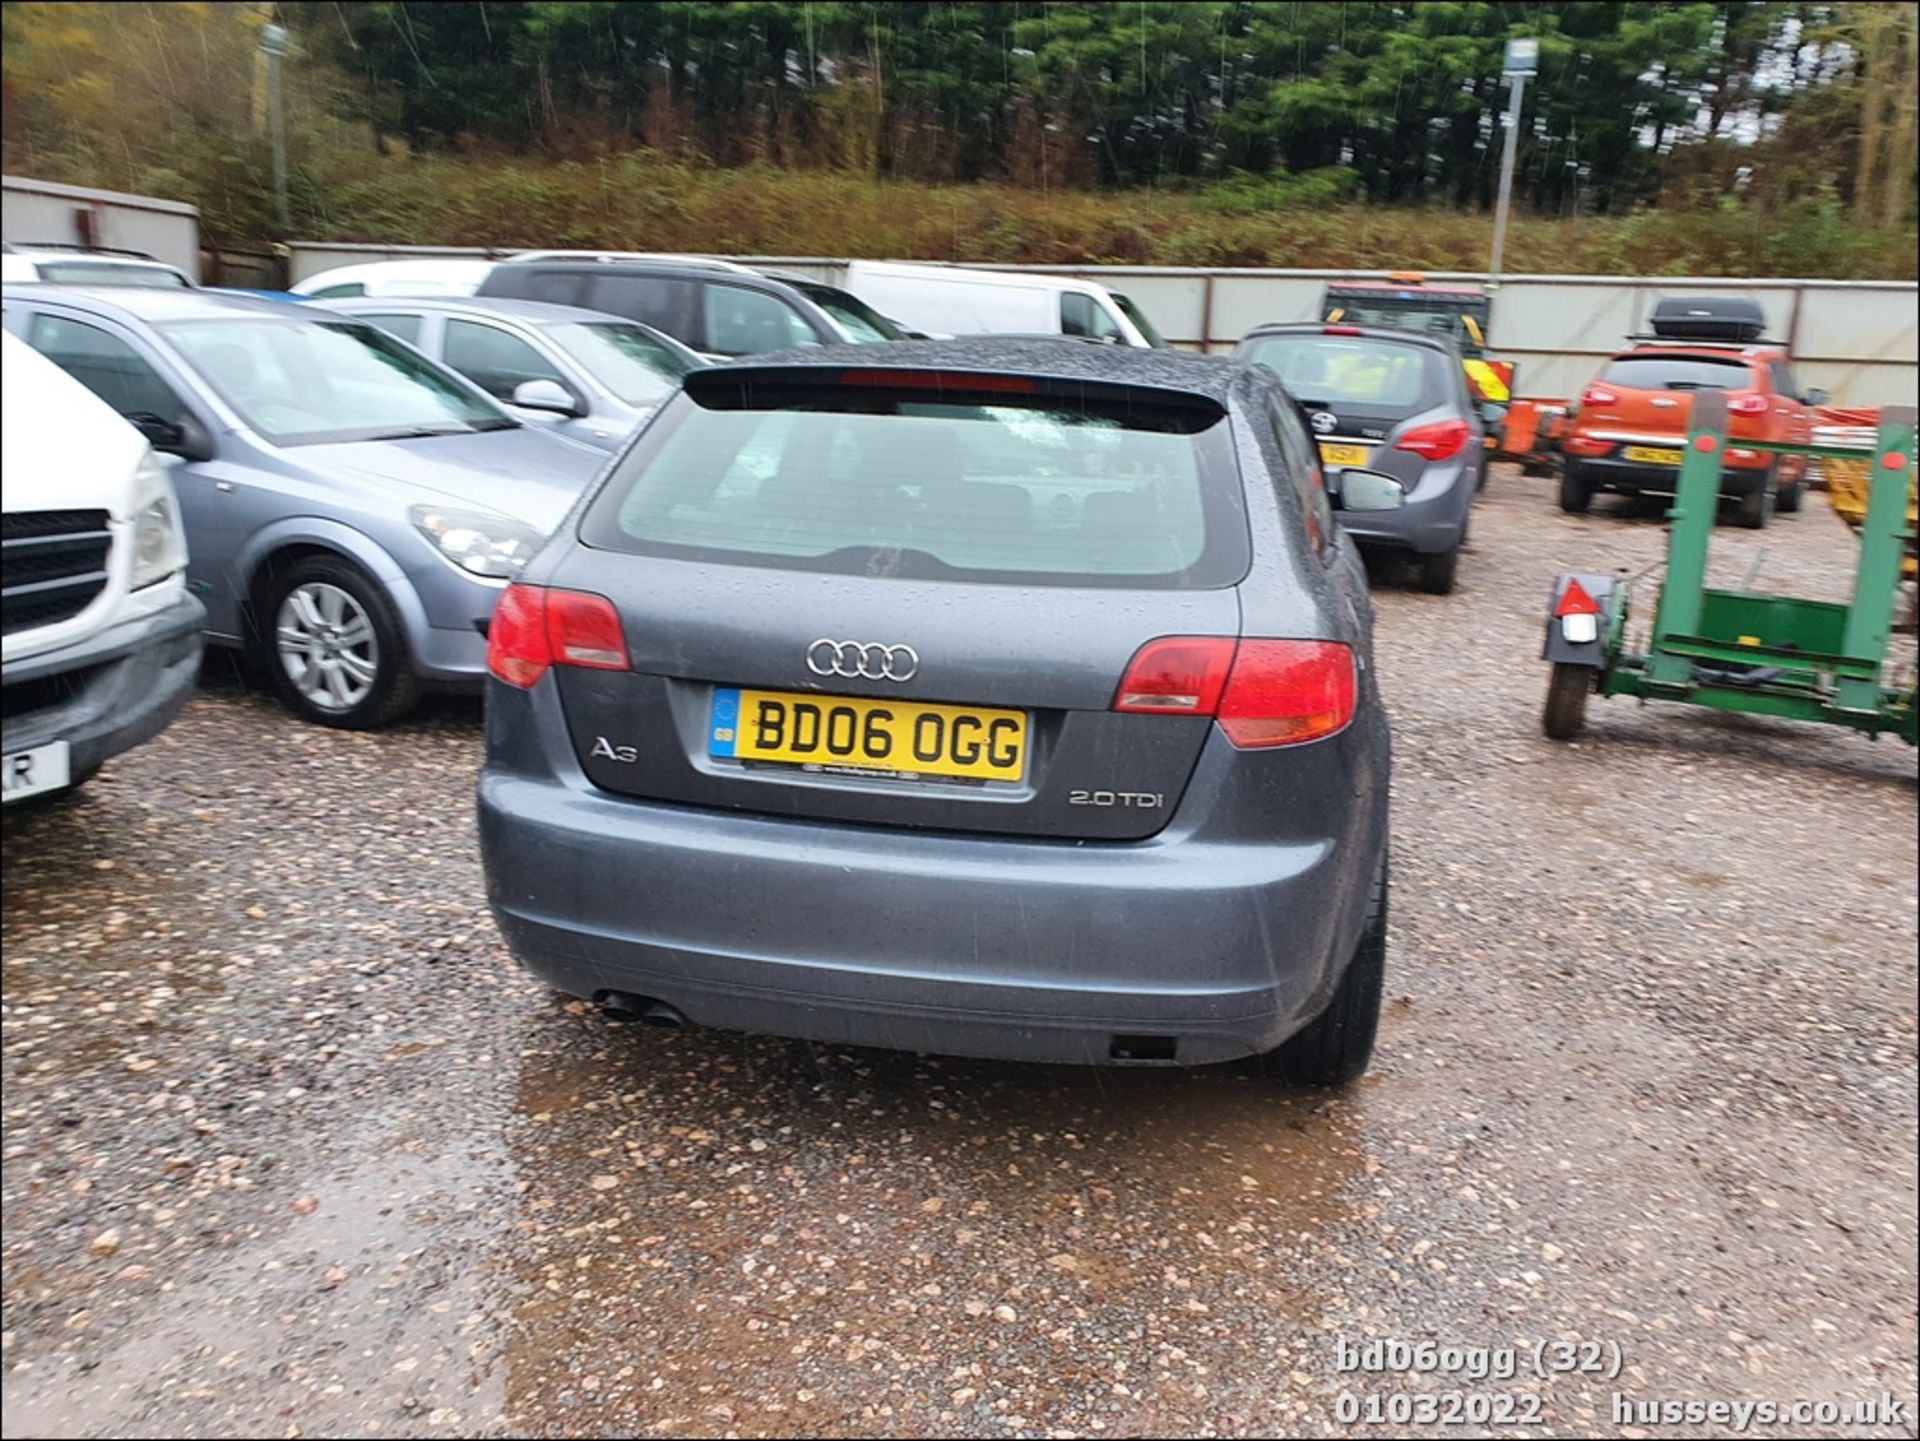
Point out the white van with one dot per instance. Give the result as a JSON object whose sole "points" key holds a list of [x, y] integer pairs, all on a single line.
{"points": [[946, 300], [101, 642], [395, 277]]}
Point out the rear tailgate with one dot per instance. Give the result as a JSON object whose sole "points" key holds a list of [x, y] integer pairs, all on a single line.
{"points": [[906, 606], [1643, 401]]}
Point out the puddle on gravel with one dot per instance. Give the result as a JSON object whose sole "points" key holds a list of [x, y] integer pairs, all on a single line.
{"points": [[754, 1235], [376, 1303]]}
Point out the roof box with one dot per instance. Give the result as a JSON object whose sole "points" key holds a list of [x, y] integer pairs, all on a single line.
{"points": [[1708, 317]]}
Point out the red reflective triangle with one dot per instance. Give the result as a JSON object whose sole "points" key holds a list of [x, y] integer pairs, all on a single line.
{"points": [[1574, 600]]}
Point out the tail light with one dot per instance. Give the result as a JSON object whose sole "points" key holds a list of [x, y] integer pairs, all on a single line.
{"points": [[1438, 441], [1262, 692], [534, 628], [1578, 613], [1178, 675], [1748, 404], [1600, 395], [937, 380]]}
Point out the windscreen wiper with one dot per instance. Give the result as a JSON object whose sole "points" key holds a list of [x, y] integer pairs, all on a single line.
{"points": [[422, 432]]}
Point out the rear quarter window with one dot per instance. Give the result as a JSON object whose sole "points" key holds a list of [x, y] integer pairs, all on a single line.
{"points": [[1026, 489], [1678, 372]]}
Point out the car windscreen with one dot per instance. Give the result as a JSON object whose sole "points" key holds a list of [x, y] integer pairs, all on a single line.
{"points": [[1140, 321], [1444, 316], [1070, 489], [1678, 372], [863, 324], [306, 382], [105, 272], [1353, 370], [636, 366]]}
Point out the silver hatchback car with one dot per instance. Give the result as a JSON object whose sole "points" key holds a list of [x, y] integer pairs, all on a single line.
{"points": [[353, 510], [1393, 403], [590, 376]]}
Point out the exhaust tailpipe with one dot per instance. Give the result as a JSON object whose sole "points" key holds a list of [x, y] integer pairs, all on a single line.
{"points": [[640, 1010]]}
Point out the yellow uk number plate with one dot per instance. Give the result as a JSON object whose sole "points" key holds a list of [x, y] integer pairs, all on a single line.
{"points": [[1331, 454], [892, 737], [1652, 455]]}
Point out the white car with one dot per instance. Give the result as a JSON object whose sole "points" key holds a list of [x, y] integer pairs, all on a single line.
{"points": [[946, 300], [395, 277], [87, 265], [100, 642]]}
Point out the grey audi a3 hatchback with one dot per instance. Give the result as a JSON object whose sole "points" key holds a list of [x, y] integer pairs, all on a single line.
{"points": [[1008, 699]]}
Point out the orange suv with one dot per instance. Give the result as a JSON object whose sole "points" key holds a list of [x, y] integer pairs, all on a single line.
{"points": [[1630, 425]]}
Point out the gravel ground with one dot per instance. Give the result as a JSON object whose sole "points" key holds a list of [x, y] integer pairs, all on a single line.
{"points": [[292, 1147]]}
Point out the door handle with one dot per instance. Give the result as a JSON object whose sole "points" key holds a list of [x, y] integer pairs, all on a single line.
{"points": [[224, 486]]}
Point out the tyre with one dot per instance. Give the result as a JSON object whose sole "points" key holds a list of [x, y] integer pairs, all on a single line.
{"points": [[1337, 1044], [332, 646], [1786, 498], [1753, 510], [1567, 691], [1437, 571], [1576, 495]]}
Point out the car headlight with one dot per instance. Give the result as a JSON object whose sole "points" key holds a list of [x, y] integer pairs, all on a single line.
{"points": [[480, 542], [159, 544]]}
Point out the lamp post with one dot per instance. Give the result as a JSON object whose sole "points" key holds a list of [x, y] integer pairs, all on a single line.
{"points": [[1522, 61], [273, 44]]}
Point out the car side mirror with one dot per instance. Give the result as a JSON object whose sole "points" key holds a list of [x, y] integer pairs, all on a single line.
{"points": [[1492, 412], [186, 437], [546, 395], [1816, 396], [1368, 490]]}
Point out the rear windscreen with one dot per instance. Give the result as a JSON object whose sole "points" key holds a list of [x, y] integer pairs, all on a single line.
{"points": [[1022, 488], [1352, 370], [1678, 372]]}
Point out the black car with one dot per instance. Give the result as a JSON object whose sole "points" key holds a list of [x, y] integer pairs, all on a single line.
{"points": [[718, 308], [1002, 698]]}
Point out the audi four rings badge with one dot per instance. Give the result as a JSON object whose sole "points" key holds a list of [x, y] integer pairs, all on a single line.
{"points": [[862, 658]]}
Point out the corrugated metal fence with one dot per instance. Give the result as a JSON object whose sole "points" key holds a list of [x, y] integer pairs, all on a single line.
{"points": [[1857, 339]]}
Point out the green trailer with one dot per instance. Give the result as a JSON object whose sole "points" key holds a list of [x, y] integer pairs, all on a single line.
{"points": [[1739, 650]]}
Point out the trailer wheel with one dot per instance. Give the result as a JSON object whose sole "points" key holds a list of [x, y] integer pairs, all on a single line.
{"points": [[1567, 691]]}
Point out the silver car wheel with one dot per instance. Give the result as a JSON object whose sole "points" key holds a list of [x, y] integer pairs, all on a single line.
{"points": [[326, 643]]}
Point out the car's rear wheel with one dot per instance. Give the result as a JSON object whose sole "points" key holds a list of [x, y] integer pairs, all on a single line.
{"points": [[1754, 509], [1567, 691], [1336, 1046], [1787, 496], [1576, 495], [332, 645], [1438, 571]]}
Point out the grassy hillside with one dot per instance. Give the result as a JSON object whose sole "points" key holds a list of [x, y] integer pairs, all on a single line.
{"points": [[638, 199]]}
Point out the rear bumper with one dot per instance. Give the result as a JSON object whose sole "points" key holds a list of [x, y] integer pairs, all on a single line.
{"points": [[922, 941], [109, 692], [1433, 519], [1635, 478]]}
